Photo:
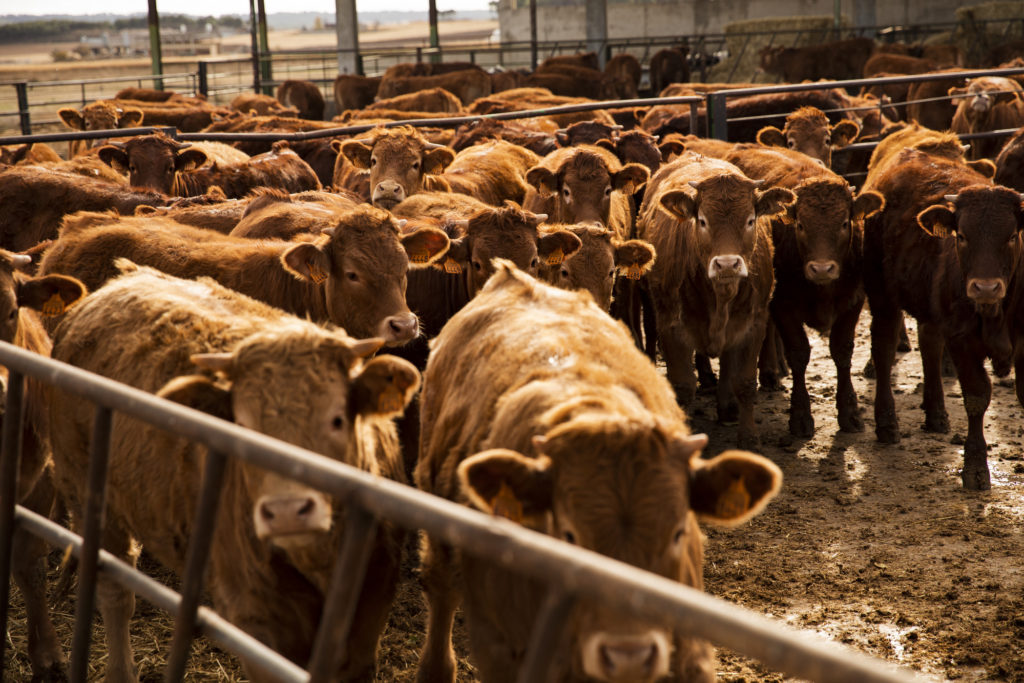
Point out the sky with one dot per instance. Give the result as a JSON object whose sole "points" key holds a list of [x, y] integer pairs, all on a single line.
{"points": [[219, 7]]}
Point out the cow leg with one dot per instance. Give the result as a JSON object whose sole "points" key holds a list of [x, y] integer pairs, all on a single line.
{"points": [[705, 373], [646, 312], [798, 353], [725, 392], [623, 308], [1018, 373], [740, 365], [437, 574], [116, 605], [932, 346], [903, 345], [884, 331], [768, 362], [977, 390], [678, 354], [840, 345]]}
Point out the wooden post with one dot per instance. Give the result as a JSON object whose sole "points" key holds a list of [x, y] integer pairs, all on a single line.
{"points": [[155, 52]]}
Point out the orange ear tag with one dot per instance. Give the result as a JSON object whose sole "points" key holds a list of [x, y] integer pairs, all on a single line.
{"points": [[555, 257], [633, 272], [734, 501], [420, 256], [452, 267], [390, 400], [315, 274], [54, 305], [506, 505]]}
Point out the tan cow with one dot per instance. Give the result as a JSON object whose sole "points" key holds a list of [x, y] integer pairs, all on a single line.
{"points": [[807, 130], [572, 432], [208, 347], [987, 103]]}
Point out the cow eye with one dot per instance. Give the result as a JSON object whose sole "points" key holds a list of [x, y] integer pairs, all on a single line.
{"points": [[131, 168], [565, 272], [415, 165], [702, 223], [534, 262], [352, 275], [13, 315], [678, 536], [611, 273], [569, 537], [608, 191], [477, 267], [337, 422], [960, 238], [791, 143], [565, 192], [373, 161]]}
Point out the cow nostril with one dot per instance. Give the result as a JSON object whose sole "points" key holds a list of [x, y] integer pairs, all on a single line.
{"points": [[266, 512], [307, 508]]}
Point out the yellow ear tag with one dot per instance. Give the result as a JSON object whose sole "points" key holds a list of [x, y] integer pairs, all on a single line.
{"points": [[633, 272], [506, 505], [390, 400], [734, 501], [555, 257], [452, 267], [54, 305], [420, 256], [315, 273]]}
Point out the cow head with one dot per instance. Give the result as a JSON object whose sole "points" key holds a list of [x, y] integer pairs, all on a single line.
{"points": [[641, 509], [586, 133], [725, 209], [986, 223], [582, 185], [982, 94], [100, 115], [50, 295], [508, 233], [635, 146], [397, 159], [827, 221], [807, 130], [361, 263], [255, 389], [600, 258], [152, 161]]}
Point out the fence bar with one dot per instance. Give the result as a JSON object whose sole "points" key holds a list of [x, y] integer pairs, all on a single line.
{"points": [[717, 116], [204, 78], [86, 135], [92, 523], [203, 528], [10, 455], [329, 648], [547, 640], [211, 625], [24, 117]]}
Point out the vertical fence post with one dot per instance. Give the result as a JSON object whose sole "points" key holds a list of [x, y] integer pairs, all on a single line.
{"points": [[716, 113], [23, 114], [10, 454], [204, 78]]}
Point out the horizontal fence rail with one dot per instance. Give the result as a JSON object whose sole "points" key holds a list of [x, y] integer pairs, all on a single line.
{"points": [[571, 571]]}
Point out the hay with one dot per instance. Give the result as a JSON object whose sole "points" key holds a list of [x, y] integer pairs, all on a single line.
{"points": [[981, 28]]}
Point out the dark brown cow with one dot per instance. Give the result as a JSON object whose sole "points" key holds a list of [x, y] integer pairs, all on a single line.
{"points": [[808, 131], [354, 92], [159, 163], [572, 81], [987, 103], [712, 280], [586, 60], [885, 63], [586, 133], [582, 441], [146, 94], [478, 131], [429, 100], [625, 71], [927, 103], [405, 69], [354, 275], [262, 105], [276, 539], [467, 85], [818, 270], [1010, 162], [668, 66], [635, 147], [944, 250], [304, 96], [838, 60]]}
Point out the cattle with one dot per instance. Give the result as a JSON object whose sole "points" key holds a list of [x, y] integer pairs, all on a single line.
{"points": [[586, 133], [35, 199], [203, 345], [818, 263], [493, 172], [506, 80], [159, 163], [807, 130], [353, 275], [1010, 162], [22, 299], [580, 439], [89, 165], [668, 66], [274, 214], [467, 85], [212, 211], [304, 96], [99, 115], [625, 71], [520, 99], [944, 250], [635, 146], [188, 116], [712, 280], [838, 60], [405, 69], [944, 144], [586, 60], [987, 103], [354, 92], [262, 105], [146, 94], [32, 153], [429, 100], [474, 132], [571, 81], [927, 103], [885, 63]]}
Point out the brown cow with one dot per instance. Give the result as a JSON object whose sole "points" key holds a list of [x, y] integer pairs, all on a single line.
{"points": [[625, 71], [354, 92], [262, 105], [354, 275], [212, 211], [635, 146], [712, 280], [429, 100], [944, 250], [304, 96], [186, 115], [837, 60], [586, 133], [583, 441], [478, 131], [885, 63], [945, 144], [99, 115], [1010, 162], [146, 94], [987, 103], [276, 539], [467, 85], [668, 66], [405, 69], [32, 153], [586, 60], [574, 82], [520, 99], [273, 214], [493, 172], [808, 131], [927, 103]]}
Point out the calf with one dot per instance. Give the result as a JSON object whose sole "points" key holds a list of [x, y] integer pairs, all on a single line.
{"points": [[625, 71], [354, 92], [668, 66], [571, 432], [807, 130], [944, 250], [275, 539], [987, 103], [354, 275], [429, 100], [304, 96], [712, 280]]}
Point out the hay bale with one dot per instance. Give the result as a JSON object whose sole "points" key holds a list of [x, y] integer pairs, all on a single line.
{"points": [[744, 40]]}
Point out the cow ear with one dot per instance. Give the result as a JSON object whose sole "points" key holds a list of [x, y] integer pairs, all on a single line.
{"points": [[671, 148], [631, 178], [112, 156], [770, 136], [71, 118], [634, 258], [562, 137], [384, 387], [867, 204], [956, 93], [358, 153], [458, 254], [336, 146], [188, 159], [772, 201], [605, 143], [51, 294], [555, 247], [425, 246], [984, 166], [937, 220], [19, 154], [130, 118], [542, 180], [680, 204], [437, 159], [731, 488], [844, 132], [201, 393], [507, 484], [307, 261]]}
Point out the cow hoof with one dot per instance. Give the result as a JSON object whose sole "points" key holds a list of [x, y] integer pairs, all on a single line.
{"points": [[851, 423], [937, 424], [801, 425], [1001, 367], [769, 381], [729, 415], [869, 369], [684, 395], [976, 478], [887, 434], [53, 674]]}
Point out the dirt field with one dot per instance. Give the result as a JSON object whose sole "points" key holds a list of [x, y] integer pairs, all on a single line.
{"points": [[875, 547]]}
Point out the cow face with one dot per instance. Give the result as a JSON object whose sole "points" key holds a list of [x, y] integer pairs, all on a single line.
{"points": [[397, 159], [50, 295], [258, 391], [986, 223], [601, 257], [152, 161], [982, 94], [641, 509], [725, 209], [361, 263], [582, 186], [100, 115], [825, 219], [808, 131], [635, 146]]}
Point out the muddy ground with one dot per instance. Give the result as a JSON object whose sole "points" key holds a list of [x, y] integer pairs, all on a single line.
{"points": [[874, 546]]}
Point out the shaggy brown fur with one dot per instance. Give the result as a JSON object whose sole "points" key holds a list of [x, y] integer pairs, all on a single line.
{"points": [[273, 214], [987, 103], [467, 85], [669, 66], [99, 115], [807, 130], [475, 132], [625, 71], [519, 99]]}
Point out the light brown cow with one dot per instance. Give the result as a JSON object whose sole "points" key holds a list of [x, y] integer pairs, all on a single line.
{"points": [[99, 115], [354, 92], [262, 105], [273, 214], [33, 153], [935, 143], [354, 275], [429, 100], [987, 103], [807, 130], [467, 85], [493, 172], [275, 538], [581, 439]]}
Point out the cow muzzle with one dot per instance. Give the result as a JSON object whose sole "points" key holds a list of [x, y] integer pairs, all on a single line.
{"points": [[400, 329], [638, 658], [981, 103], [295, 513], [387, 194], [727, 267], [986, 291], [821, 272]]}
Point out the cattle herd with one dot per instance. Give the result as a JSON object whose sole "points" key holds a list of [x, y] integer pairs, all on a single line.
{"points": [[523, 278]]}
